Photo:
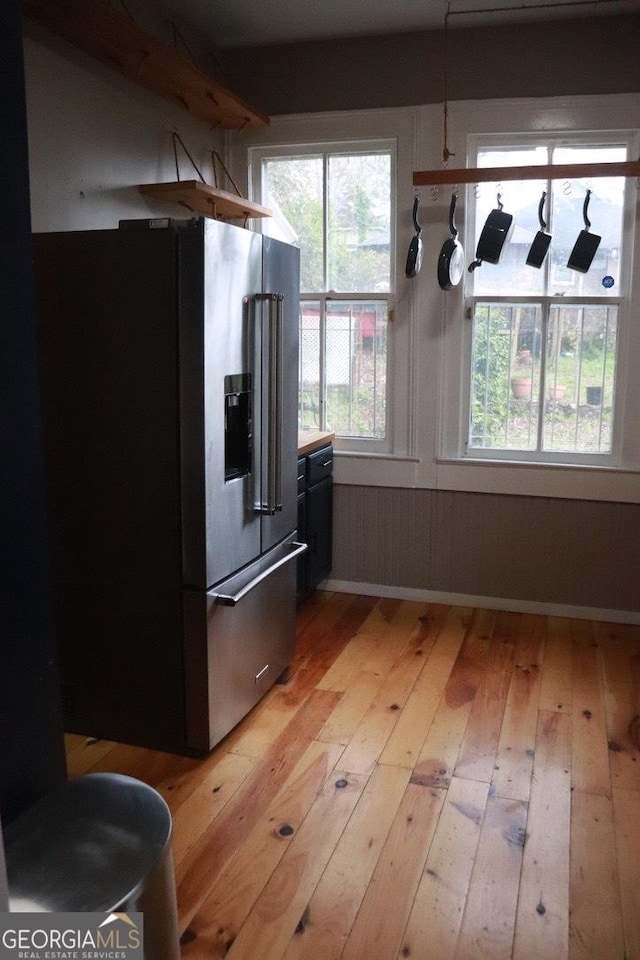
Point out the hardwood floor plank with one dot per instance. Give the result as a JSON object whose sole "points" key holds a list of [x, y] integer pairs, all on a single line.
{"points": [[441, 747], [621, 718], [219, 842], [83, 753], [618, 643], [210, 795], [434, 923], [391, 697], [542, 921], [489, 917], [590, 755], [379, 925], [337, 898], [238, 885], [282, 906], [353, 706], [557, 668], [625, 805], [372, 733], [379, 642], [595, 930], [477, 756], [410, 732], [516, 747]]}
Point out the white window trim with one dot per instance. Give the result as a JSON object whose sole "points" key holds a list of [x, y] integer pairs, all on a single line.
{"points": [[427, 367], [358, 461], [257, 156], [511, 474]]}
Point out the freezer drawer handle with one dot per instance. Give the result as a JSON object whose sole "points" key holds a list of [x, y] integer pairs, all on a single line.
{"points": [[230, 599]]}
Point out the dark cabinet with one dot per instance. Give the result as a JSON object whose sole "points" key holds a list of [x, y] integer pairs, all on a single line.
{"points": [[315, 518]]}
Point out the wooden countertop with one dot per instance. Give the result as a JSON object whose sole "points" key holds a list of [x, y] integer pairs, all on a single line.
{"points": [[310, 440]]}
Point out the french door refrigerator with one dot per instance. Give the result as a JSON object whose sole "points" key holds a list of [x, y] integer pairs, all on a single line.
{"points": [[168, 374]]}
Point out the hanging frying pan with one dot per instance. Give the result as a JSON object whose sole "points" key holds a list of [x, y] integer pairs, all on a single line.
{"points": [[414, 254], [584, 249], [542, 239], [494, 237], [451, 259]]}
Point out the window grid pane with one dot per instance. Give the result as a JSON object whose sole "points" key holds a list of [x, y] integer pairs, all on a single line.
{"points": [[336, 206], [356, 348]]}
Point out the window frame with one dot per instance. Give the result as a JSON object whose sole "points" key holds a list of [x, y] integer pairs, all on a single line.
{"points": [[257, 155], [454, 436]]}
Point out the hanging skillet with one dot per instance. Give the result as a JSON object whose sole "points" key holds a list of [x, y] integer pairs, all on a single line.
{"points": [[584, 249], [414, 254], [451, 259], [494, 237], [542, 239]]}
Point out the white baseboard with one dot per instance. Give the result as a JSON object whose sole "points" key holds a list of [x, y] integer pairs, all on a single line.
{"points": [[488, 603]]}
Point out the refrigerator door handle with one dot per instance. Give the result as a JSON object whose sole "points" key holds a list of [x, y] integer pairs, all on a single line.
{"points": [[272, 503], [231, 599]]}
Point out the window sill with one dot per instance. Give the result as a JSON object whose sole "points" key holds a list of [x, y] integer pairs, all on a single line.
{"points": [[371, 469], [564, 481]]}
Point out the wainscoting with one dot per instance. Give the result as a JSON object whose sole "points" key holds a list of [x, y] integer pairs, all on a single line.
{"points": [[573, 553]]}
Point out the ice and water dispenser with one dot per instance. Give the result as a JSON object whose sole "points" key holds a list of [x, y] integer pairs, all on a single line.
{"points": [[237, 426]]}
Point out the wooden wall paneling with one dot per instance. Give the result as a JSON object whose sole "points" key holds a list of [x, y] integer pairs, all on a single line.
{"points": [[542, 921], [337, 898], [595, 930], [479, 544]]}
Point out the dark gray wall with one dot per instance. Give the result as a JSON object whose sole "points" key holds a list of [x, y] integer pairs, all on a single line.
{"points": [[31, 745], [572, 552], [562, 57]]}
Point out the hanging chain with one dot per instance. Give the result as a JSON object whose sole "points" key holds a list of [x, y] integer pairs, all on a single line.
{"points": [[446, 153]]}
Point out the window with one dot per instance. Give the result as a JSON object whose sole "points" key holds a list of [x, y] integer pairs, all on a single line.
{"points": [[336, 204], [544, 342]]}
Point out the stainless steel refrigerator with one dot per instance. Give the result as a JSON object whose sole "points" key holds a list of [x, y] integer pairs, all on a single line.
{"points": [[168, 372]]}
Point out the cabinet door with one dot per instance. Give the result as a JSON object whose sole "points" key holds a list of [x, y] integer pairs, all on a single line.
{"points": [[319, 531]]}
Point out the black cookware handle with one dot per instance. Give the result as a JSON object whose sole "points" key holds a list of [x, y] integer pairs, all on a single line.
{"points": [[416, 204], [585, 207], [452, 212], [543, 225]]}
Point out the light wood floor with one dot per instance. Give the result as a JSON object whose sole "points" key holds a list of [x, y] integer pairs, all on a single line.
{"points": [[431, 782]]}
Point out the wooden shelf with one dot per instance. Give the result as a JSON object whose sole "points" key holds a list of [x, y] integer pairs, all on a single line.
{"points": [[556, 171], [116, 40], [201, 198]]}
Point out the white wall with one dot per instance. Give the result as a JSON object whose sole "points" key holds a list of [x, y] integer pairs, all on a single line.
{"points": [[94, 136]]}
